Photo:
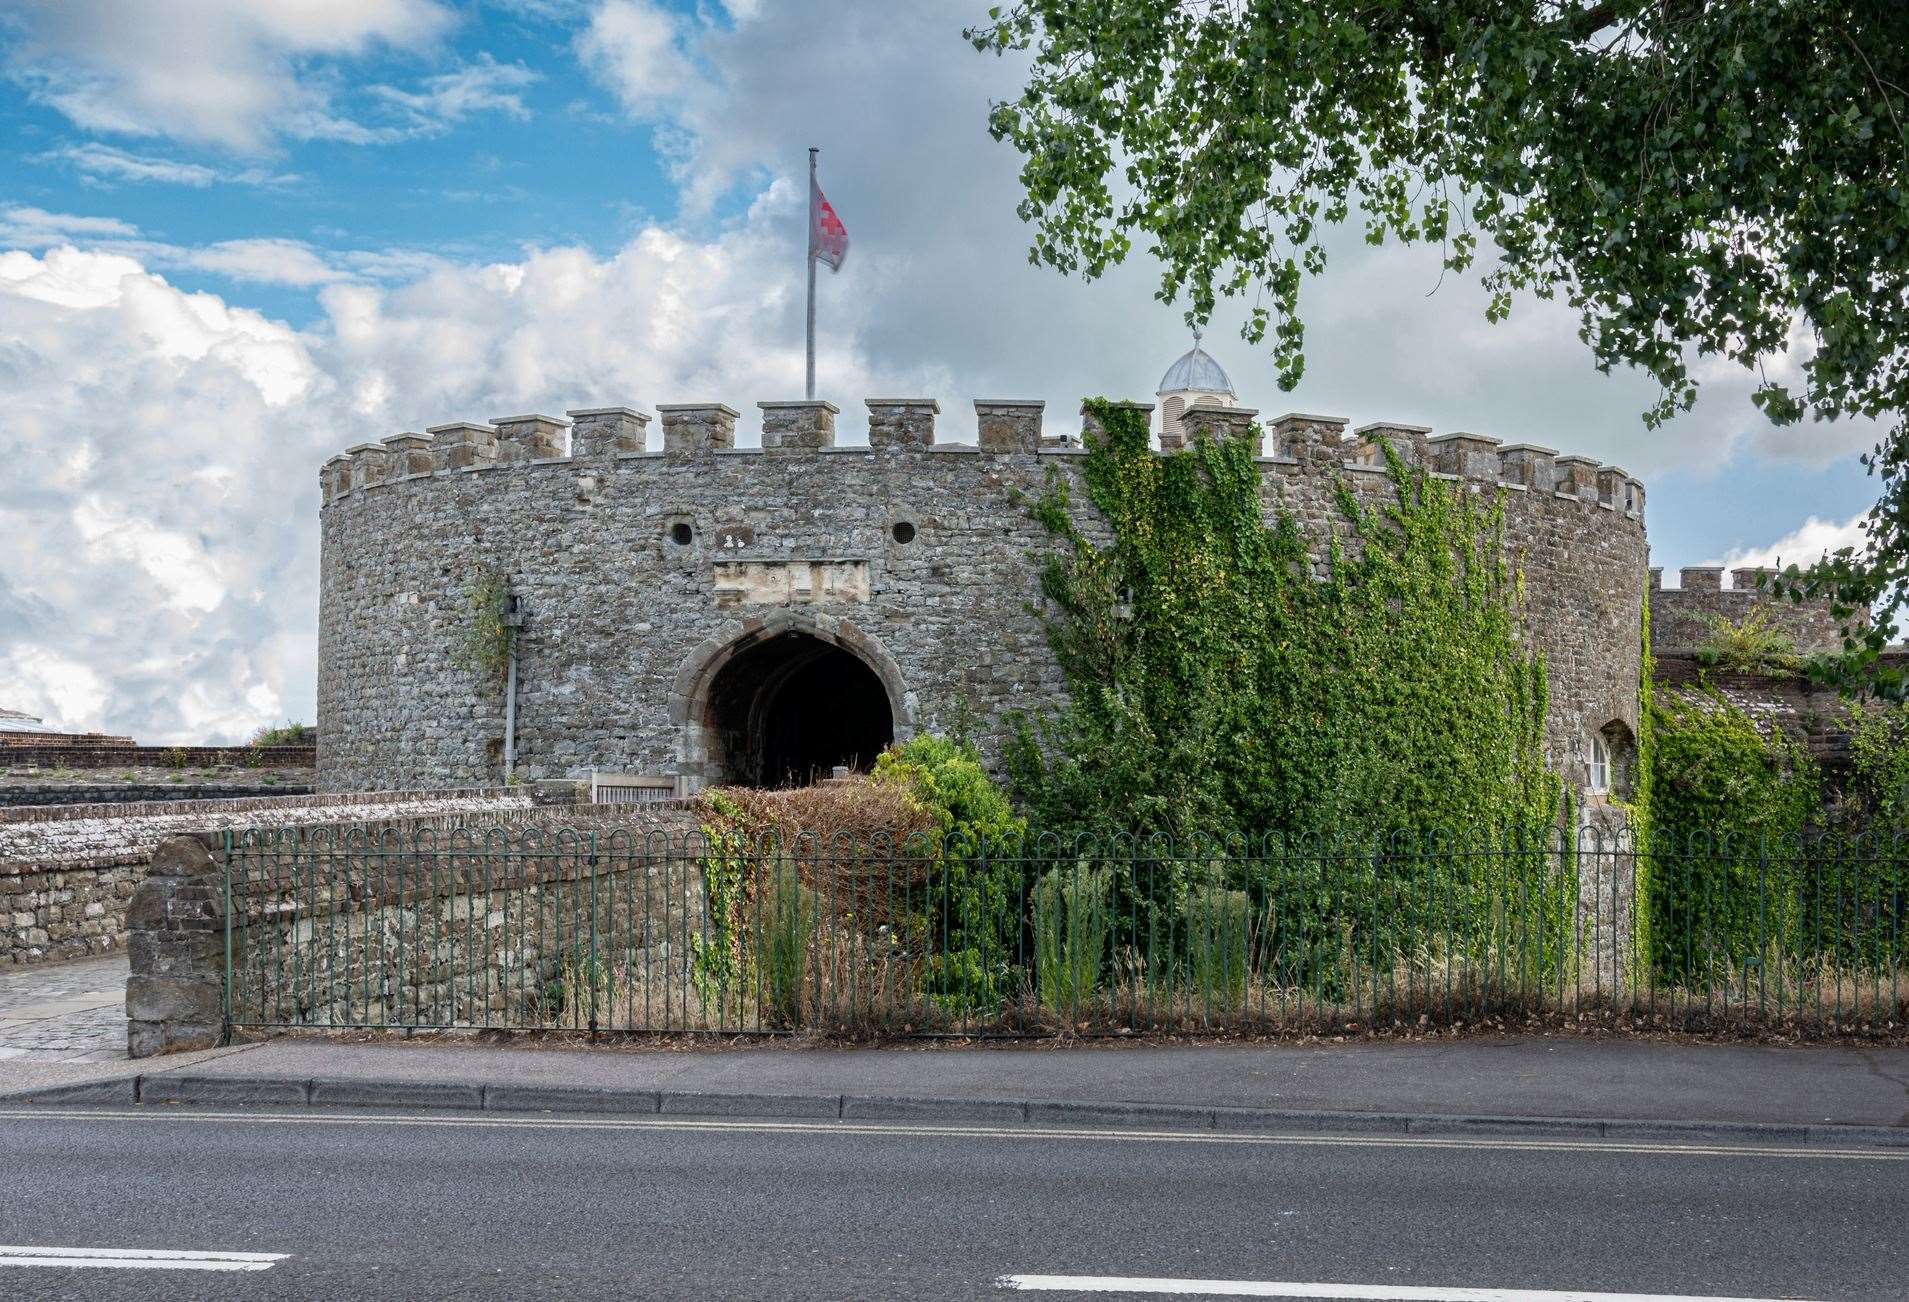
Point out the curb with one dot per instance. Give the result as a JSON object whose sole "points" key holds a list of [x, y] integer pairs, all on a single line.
{"points": [[185, 1089]]}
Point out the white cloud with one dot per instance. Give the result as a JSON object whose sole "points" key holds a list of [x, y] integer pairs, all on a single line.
{"points": [[103, 162], [451, 97], [35, 228], [1804, 546], [105, 165], [160, 441], [238, 74], [638, 49], [265, 261]]}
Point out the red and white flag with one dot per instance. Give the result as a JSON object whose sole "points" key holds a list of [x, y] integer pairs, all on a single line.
{"points": [[828, 238]]}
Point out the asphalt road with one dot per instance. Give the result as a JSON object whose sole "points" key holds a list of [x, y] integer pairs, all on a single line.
{"points": [[437, 1207]]}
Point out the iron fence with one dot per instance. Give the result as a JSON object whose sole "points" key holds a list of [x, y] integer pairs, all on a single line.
{"points": [[606, 929]]}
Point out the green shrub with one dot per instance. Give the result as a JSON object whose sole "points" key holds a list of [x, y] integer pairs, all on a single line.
{"points": [[283, 734], [971, 913], [1071, 933], [1749, 645], [1725, 883]]}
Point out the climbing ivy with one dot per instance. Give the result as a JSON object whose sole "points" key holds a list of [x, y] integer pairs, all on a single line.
{"points": [[1727, 804], [487, 637], [1229, 676]]}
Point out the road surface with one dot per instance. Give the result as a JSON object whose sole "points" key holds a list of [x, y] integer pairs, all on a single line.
{"points": [[314, 1204]]}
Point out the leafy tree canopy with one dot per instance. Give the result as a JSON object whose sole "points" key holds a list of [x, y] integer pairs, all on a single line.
{"points": [[1698, 178]]}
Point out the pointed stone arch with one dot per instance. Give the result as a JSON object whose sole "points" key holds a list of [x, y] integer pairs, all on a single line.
{"points": [[695, 699]]}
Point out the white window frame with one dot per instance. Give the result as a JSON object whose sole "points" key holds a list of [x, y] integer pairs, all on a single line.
{"points": [[1600, 764]]}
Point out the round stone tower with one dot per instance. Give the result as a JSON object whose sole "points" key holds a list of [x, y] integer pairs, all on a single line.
{"points": [[696, 612]]}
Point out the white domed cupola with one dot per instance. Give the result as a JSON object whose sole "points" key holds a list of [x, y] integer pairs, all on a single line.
{"points": [[1195, 380]]}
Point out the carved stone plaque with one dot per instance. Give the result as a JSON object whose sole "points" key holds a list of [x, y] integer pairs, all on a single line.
{"points": [[790, 583]]}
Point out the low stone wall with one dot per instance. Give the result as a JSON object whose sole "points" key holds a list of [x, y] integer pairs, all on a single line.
{"points": [[392, 931], [39, 796], [68, 756], [67, 874]]}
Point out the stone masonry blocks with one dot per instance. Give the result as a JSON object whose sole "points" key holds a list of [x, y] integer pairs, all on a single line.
{"points": [[1008, 424], [690, 428], [803, 425], [175, 991], [529, 438], [462, 445], [902, 422], [627, 568], [608, 432]]}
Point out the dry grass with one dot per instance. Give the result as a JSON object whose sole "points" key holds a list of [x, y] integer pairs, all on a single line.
{"points": [[864, 847]]}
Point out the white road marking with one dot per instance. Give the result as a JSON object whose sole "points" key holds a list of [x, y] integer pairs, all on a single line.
{"points": [[138, 1259], [1369, 1292], [823, 1127]]}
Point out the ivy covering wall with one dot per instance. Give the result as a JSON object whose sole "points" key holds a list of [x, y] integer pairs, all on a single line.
{"points": [[1728, 803], [1222, 680]]}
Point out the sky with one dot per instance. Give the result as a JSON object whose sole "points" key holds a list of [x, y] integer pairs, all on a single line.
{"points": [[237, 238]]}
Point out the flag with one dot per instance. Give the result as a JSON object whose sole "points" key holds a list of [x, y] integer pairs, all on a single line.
{"points": [[828, 238]]}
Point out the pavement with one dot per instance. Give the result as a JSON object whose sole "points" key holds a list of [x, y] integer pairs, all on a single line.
{"points": [[62, 1041], [59, 1013], [345, 1203]]}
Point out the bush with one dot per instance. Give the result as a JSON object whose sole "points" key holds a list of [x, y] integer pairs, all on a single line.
{"points": [[1749, 645], [1728, 806], [283, 734], [974, 904]]}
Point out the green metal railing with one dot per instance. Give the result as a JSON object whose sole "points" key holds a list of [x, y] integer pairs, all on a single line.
{"points": [[604, 929]]}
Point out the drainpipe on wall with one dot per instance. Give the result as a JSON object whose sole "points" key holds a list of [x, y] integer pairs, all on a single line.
{"points": [[513, 620]]}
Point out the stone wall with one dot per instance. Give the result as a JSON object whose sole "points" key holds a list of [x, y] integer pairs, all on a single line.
{"points": [[642, 573], [40, 795], [1683, 618], [66, 877], [401, 930], [65, 755]]}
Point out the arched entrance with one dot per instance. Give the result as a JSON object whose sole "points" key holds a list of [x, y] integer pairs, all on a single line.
{"points": [[784, 703]]}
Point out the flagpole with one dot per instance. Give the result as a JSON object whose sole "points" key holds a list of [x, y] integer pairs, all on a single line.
{"points": [[811, 261]]}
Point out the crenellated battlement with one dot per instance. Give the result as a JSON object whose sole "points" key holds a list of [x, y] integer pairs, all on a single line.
{"points": [[1296, 442], [1686, 617], [671, 582]]}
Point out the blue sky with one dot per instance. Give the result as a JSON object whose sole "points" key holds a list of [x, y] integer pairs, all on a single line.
{"points": [[236, 238]]}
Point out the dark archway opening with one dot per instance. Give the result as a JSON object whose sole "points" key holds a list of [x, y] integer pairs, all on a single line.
{"points": [[789, 709]]}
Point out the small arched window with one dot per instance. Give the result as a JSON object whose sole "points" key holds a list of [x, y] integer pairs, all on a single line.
{"points": [[1600, 765]]}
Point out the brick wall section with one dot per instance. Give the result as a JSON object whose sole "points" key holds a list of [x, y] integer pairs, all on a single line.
{"points": [[66, 878], [68, 756], [39, 796], [1683, 618], [625, 625], [10, 741], [1815, 717]]}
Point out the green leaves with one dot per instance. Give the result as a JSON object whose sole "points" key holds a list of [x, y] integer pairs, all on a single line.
{"points": [[1220, 682], [1699, 181]]}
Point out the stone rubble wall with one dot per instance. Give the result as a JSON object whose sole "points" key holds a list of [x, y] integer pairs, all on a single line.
{"points": [[63, 753], [41, 795], [67, 876], [393, 926], [625, 624], [1682, 619]]}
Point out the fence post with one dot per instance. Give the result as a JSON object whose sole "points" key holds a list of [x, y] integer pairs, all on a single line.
{"points": [[176, 990]]}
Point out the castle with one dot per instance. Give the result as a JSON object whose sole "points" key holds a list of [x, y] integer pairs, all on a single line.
{"points": [[699, 613]]}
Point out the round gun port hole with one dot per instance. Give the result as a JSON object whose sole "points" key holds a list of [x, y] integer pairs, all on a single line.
{"points": [[681, 534], [904, 532]]}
